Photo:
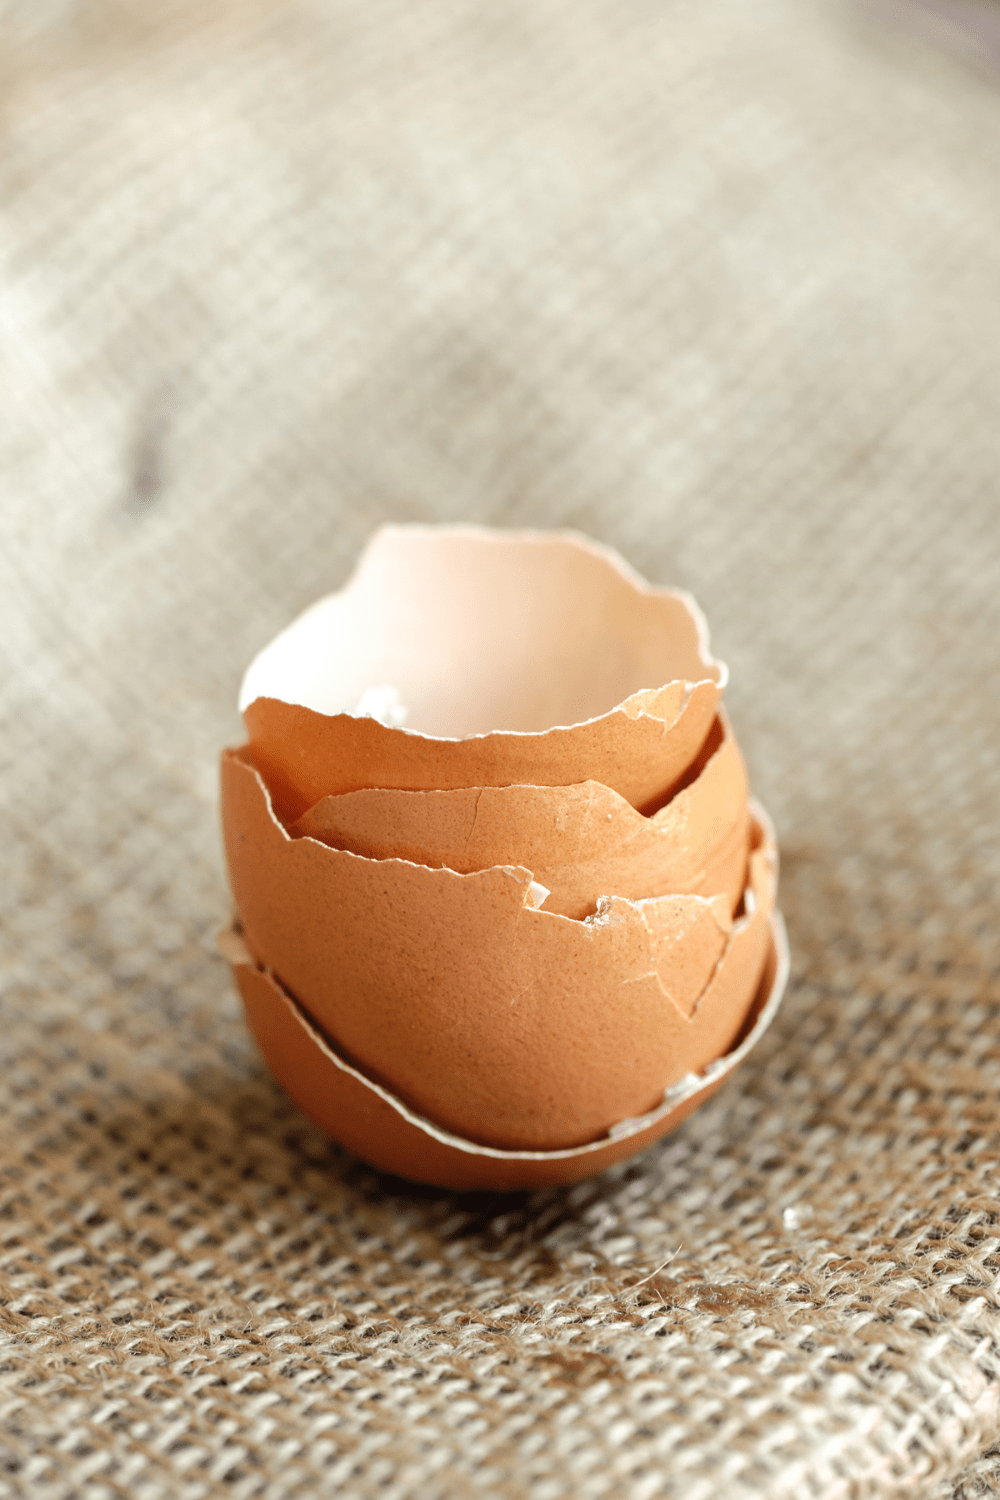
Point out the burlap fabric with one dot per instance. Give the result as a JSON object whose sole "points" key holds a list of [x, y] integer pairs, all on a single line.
{"points": [[716, 283]]}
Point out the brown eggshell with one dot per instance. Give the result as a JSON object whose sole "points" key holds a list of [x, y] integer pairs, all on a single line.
{"points": [[580, 842], [377, 1126], [508, 1025], [517, 658]]}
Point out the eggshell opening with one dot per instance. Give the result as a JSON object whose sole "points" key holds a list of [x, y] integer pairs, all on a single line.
{"points": [[468, 630], [580, 842], [511, 658], [506, 1024], [379, 1127]]}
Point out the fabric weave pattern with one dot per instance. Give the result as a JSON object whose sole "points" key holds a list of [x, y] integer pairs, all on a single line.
{"points": [[716, 284]]}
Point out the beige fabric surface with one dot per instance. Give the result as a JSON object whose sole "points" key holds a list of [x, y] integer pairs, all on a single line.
{"points": [[718, 284]]}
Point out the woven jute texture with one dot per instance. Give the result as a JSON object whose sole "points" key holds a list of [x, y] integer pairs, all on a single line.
{"points": [[716, 283]]}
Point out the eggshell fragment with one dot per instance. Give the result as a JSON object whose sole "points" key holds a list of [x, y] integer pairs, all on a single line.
{"points": [[508, 1025], [514, 658], [580, 842], [377, 1126]]}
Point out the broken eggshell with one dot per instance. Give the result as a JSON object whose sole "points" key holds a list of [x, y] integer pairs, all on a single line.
{"points": [[377, 1126], [503, 1023], [512, 658], [580, 842]]}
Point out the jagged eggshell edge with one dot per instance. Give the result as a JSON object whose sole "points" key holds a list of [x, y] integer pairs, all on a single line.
{"points": [[580, 842], [511, 1025], [615, 680], [379, 1128]]}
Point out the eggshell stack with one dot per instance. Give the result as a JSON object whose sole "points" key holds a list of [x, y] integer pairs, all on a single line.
{"points": [[505, 912]]}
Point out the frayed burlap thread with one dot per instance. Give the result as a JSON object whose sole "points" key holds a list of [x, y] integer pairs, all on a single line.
{"points": [[717, 285]]}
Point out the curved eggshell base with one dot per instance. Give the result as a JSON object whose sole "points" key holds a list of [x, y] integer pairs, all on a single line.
{"points": [[640, 750], [580, 842], [504, 1023], [380, 1129]]}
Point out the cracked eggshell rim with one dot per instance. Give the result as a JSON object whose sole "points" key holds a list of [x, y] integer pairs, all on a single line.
{"points": [[578, 841], [523, 657], [377, 1126], [507, 1024]]}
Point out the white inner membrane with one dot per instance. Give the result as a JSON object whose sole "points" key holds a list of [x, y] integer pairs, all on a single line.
{"points": [[462, 632]]}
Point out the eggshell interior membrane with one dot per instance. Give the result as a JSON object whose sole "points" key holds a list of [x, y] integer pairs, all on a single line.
{"points": [[580, 842], [377, 1126], [459, 657], [509, 1025], [478, 630]]}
